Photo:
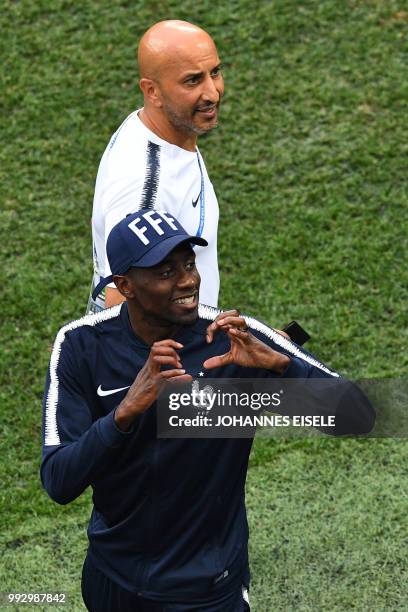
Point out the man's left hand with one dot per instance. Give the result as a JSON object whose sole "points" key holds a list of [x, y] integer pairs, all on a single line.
{"points": [[219, 321], [246, 350]]}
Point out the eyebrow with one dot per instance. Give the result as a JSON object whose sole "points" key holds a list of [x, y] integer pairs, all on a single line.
{"points": [[189, 75]]}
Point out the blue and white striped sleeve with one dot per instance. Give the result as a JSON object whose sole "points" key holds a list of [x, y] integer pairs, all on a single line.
{"points": [[77, 447], [335, 396]]}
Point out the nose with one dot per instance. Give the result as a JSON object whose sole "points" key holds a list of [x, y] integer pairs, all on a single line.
{"points": [[212, 90], [187, 279]]}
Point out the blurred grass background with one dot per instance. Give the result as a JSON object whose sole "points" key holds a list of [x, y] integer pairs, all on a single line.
{"points": [[309, 164]]}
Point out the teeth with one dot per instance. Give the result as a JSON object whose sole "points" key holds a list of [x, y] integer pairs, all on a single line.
{"points": [[186, 300]]}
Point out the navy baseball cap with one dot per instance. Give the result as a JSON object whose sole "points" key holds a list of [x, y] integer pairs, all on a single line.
{"points": [[142, 240]]}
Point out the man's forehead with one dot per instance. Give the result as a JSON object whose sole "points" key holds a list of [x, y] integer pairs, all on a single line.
{"points": [[178, 71], [178, 50], [194, 59]]}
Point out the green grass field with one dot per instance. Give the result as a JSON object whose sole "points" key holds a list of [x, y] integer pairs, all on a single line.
{"points": [[310, 165]]}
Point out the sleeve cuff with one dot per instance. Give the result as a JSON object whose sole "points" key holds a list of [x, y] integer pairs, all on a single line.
{"points": [[111, 435], [296, 369]]}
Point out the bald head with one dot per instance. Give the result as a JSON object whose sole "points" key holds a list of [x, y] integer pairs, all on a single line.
{"points": [[181, 81], [167, 43]]}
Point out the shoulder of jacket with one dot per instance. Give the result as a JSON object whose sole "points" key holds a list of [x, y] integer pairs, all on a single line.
{"points": [[88, 321]]}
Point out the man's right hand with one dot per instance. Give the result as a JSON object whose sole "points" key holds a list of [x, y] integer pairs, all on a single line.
{"points": [[150, 380]]}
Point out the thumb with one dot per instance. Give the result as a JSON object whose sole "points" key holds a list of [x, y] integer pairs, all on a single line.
{"points": [[217, 361]]}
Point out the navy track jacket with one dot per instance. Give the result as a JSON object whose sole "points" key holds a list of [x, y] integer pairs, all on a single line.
{"points": [[169, 519]]}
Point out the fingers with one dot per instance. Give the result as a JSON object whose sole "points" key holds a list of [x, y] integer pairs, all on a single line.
{"points": [[167, 360], [237, 336], [224, 321], [180, 379], [178, 375], [168, 342], [211, 329], [235, 323], [234, 320], [164, 353], [228, 313], [242, 334], [217, 361]]}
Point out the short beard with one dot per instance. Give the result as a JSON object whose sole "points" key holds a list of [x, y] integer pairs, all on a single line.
{"points": [[182, 123]]}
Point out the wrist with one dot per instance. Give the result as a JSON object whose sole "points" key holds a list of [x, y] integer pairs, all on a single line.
{"points": [[278, 362], [124, 417]]}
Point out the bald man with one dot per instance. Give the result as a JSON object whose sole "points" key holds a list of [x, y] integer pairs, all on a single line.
{"points": [[152, 160]]}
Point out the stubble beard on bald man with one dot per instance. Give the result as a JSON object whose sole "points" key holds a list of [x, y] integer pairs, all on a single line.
{"points": [[185, 123]]}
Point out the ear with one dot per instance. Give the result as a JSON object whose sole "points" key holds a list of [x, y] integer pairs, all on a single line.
{"points": [[151, 92], [124, 285]]}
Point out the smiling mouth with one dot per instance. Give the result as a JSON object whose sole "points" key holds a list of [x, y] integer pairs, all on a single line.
{"points": [[188, 299], [207, 109]]}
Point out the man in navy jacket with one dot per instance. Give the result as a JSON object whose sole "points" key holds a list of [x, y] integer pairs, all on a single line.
{"points": [[168, 529]]}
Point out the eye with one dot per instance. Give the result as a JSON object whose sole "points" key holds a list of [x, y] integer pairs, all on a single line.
{"points": [[193, 80], [190, 265], [216, 72], [165, 273]]}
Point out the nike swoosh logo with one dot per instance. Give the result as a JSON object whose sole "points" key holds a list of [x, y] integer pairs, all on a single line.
{"points": [[101, 392], [194, 202]]}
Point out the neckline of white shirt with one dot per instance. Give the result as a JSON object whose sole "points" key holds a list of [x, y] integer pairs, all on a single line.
{"points": [[157, 140]]}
